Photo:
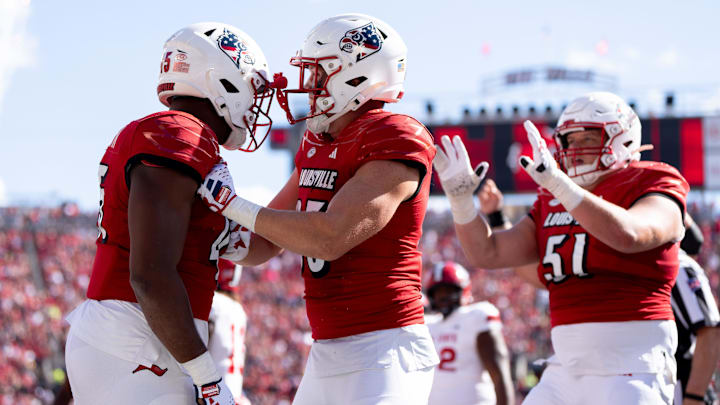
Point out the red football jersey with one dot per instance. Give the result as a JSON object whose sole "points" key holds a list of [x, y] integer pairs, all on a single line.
{"points": [[591, 282], [172, 139], [376, 285]]}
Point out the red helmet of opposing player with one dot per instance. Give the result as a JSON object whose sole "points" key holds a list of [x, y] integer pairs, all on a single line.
{"points": [[449, 274], [228, 276]]}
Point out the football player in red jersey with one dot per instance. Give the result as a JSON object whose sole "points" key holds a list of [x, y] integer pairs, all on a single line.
{"points": [[353, 207], [605, 230], [141, 335], [474, 364]]}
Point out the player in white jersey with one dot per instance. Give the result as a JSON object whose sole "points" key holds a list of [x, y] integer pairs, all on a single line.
{"points": [[227, 324], [474, 367]]}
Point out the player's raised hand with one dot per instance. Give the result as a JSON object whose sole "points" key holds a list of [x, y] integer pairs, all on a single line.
{"points": [[459, 180], [545, 171], [218, 193], [542, 162], [457, 176]]}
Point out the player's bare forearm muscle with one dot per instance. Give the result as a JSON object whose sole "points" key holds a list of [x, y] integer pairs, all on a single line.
{"points": [[705, 360], [261, 249], [651, 222], [494, 355], [528, 273], [158, 217], [360, 209], [499, 249]]}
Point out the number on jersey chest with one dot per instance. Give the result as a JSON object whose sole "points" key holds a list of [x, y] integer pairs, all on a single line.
{"points": [[560, 268]]}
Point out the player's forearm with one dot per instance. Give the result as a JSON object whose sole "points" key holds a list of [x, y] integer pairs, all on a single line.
{"points": [[705, 360], [261, 250], [312, 234], [165, 304], [492, 250], [495, 357], [504, 394], [528, 273], [504, 391], [615, 226], [476, 240]]}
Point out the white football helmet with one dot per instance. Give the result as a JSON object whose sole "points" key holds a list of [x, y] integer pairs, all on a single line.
{"points": [[363, 59], [223, 64], [621, 134]]}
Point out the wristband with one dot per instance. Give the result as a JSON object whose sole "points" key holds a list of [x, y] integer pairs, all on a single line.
{"points": [[243, 212], [567, 192], [496, 219], [696, 397], [463, 209], [202, 369]]}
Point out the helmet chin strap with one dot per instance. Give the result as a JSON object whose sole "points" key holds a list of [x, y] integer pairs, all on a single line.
{"points": [[591, 174], [318, 124], [585, 180], [321, 123], [642, 148], [237, 135], [236, 138]]}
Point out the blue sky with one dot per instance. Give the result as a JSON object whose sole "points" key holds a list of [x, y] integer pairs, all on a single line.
{"points": [[73, 73]]}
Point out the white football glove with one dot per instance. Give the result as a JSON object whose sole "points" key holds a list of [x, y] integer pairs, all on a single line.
{"points": [[545, 171], [239, 243], [209, 385], [218, 193], [214, 393], [458, 178]]}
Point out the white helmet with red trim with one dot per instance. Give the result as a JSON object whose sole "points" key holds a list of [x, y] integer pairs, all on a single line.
{"points": [[223, 64], [450, 274], [363, 59], [621, 135]]}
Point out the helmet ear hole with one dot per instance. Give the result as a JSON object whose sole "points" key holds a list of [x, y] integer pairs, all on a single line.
{"points": [[229, 87], [356, 81]]}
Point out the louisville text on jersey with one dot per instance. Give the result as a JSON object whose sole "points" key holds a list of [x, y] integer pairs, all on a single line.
{"points": [[559, 219], [318, 178]]}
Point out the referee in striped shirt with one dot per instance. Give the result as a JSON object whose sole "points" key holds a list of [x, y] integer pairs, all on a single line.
{"points": [[698, 324]]}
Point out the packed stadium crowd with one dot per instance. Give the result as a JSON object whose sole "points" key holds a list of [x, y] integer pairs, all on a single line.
{"points": [[45, 261]]}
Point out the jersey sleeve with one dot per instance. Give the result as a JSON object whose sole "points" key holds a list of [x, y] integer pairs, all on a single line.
{"points": [[175, 141], [486, 317], [398, 137], [660, 178]]}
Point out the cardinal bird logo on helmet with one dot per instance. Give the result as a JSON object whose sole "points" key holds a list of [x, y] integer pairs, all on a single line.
{"points": [[367, 38], [234, 48]]}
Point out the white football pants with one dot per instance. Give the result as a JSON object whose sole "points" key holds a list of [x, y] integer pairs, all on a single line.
{"points": [[387, 386], [385, 367], [559, 387], [100, 378]]}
